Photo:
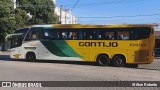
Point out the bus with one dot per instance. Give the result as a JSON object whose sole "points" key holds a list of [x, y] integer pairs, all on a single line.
{"points": [[118, 45]]}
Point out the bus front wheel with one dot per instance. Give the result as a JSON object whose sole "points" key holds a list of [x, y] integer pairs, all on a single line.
{"points": [[31, 57], [118, 61], [103, 60]]}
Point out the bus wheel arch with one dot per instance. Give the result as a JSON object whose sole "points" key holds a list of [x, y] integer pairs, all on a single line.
{"points": [[118, 60], [103, 59], [30, 56]]}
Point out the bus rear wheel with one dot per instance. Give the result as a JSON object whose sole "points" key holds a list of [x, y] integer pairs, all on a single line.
{"points": [[103, 60], [118, 61], [31, 57]]}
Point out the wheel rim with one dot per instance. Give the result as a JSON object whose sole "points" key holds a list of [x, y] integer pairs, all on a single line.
{"points": [[119, 61], [30, 57]]}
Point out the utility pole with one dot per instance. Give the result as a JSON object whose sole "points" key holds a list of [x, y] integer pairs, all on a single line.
{"points": [[60, 15]]}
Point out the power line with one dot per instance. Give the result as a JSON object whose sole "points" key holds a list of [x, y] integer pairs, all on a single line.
{"points": [[75, 5], [103, 3], [96, 3], [144, 15]]}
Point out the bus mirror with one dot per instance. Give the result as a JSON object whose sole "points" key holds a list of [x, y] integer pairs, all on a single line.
{"points": [[6, 44]]}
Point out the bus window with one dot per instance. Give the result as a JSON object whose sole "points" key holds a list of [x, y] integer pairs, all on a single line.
{"points": [[123, 35], [90, 34], [34, 34], [50, 34], [72, 36], [22, 30], [67, 34], [16, 41], [133, 33], [106, 35], [80, 35], [142, 33]]}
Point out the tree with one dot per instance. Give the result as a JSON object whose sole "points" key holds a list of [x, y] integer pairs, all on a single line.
{"points": [[42, 11], [7, 20], [21, 18]]}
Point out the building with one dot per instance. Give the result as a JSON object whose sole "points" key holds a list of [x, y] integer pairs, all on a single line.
{"points": [[65, 16], [54, 1], [14, 1]]}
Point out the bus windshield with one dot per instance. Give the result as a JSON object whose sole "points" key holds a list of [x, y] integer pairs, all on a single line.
{"points": [[13, 40], [16, 41]]}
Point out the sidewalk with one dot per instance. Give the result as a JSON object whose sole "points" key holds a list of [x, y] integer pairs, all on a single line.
{"points": [[4, 53]]}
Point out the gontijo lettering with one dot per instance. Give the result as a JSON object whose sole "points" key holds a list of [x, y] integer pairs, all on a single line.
{"points": [[98, 44]]}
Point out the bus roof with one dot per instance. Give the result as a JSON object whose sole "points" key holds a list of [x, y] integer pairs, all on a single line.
{"points": [[94, 26]]}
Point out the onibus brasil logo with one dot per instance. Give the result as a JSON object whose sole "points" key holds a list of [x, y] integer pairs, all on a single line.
{"points": [[21, 84]]}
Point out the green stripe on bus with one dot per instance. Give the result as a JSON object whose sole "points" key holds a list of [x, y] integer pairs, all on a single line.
{"points": [[60, 48]]}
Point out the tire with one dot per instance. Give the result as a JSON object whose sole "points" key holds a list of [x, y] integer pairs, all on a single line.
{"points": [[118, 61], [31, 57], [103, 60]]}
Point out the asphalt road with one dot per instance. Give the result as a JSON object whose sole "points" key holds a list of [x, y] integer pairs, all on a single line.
{"points": [[11, 70]]}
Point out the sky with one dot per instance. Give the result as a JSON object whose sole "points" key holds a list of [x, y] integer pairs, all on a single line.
{"points": [[114, 11]]}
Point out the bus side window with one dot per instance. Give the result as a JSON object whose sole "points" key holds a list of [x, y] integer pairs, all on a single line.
{"points": [[34, 35], [131, 35], [85, 35], [54, 34], [143, 33], [72, 35], [64, 35], [90, 34], [80, 35], [123, 35], [95, 35], [101, 35], [109, 37]]}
